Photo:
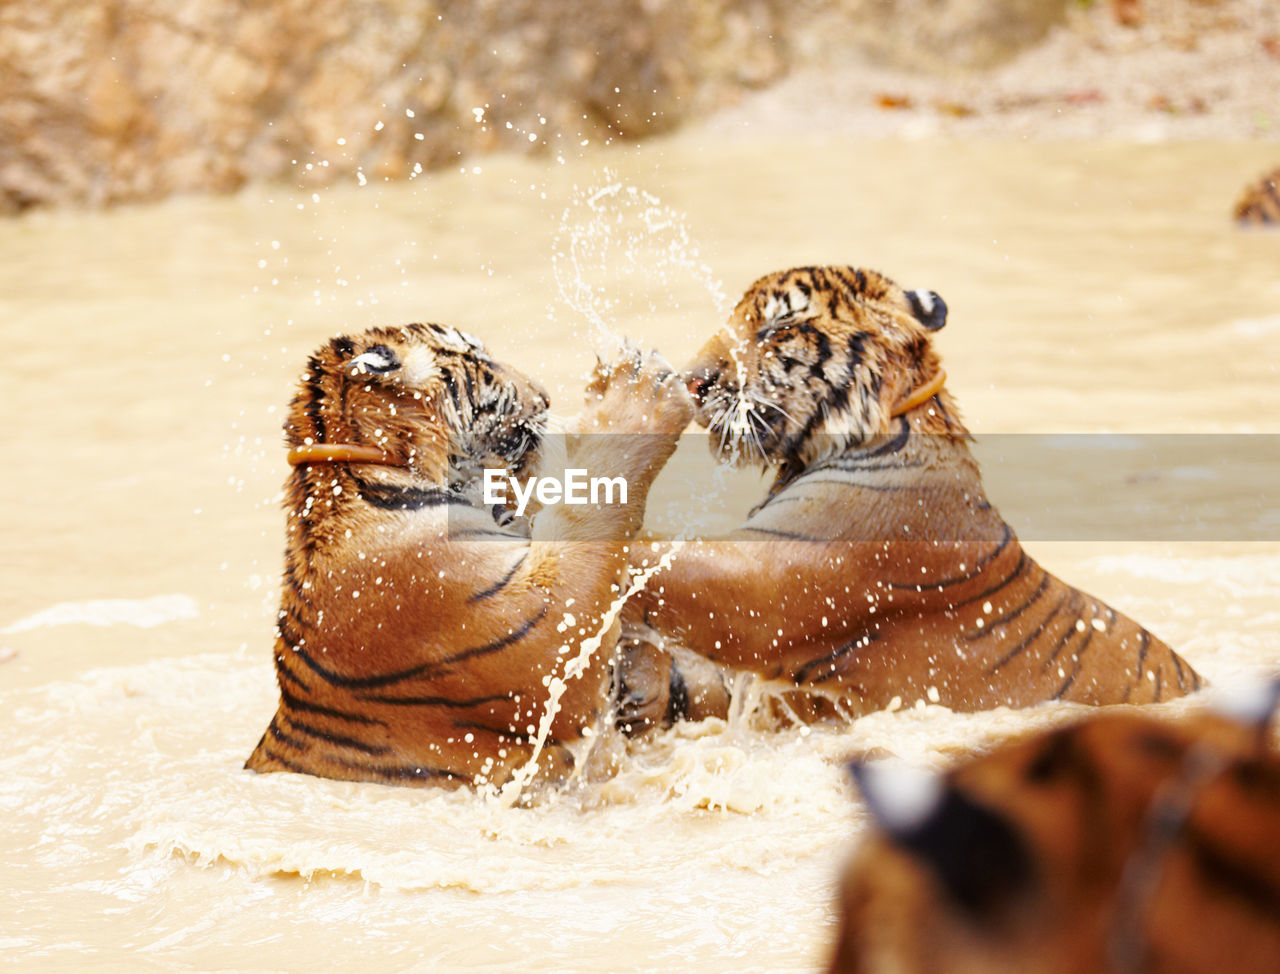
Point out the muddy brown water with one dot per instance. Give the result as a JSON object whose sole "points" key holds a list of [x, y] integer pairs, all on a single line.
{"points": [[150, 353]]}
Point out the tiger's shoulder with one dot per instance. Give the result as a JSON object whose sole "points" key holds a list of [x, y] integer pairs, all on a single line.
{"points": [[1120, 843]]}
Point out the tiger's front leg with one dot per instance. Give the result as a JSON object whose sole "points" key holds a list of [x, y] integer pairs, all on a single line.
{"points": [[567, 587]]}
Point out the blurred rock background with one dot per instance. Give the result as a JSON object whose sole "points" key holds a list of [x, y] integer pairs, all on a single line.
{"points": [[115, 100]]}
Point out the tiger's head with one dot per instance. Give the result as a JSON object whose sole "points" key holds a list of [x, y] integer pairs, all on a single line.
{"points": [[428, 396], [811, 362]]}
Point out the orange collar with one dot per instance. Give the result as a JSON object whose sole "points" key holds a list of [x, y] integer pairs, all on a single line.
{"points": [[922, 395], [341, 453]]}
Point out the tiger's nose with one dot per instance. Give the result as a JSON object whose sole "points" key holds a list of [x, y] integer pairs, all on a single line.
{"points": [[541, 393], [699, 380]]}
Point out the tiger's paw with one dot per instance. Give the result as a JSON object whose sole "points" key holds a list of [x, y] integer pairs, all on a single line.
{"points": [[642, 687], [654, 687], [638, 393]]}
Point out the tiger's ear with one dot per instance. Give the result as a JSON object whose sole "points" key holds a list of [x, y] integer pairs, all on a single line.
{"points": [[976, 855], [929, 308]]}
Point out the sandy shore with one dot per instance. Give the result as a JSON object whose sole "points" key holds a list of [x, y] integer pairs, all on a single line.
{"points": [[1193, 69]]}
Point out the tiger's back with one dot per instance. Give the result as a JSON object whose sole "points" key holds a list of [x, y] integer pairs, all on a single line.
{"points": [[1000, 629]]}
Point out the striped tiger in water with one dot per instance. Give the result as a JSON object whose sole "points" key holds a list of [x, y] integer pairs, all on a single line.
{"points": [[1117, 845], [417, 635], [1260, 202], [875, 572]]}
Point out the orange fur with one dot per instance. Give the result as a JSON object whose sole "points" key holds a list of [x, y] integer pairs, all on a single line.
{"points": [[1116, 845], [875, 569], [415, 632]]}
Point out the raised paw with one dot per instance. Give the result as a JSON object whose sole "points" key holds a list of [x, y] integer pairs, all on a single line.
{"points": [[637, 393]]}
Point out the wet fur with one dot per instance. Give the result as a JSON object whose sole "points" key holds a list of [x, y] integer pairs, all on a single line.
{"points": [[875, 571], [415, 632]]}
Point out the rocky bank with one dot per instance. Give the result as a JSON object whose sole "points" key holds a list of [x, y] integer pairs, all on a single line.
{"points": [[114, 100]]}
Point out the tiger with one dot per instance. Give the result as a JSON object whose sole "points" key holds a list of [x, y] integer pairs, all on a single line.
{"points": [[1119, 843], [1260, 201], [418, 628], [875, 573]]}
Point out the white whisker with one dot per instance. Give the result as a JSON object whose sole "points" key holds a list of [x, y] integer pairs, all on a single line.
{"points": [[759, 400], [552, 423]]}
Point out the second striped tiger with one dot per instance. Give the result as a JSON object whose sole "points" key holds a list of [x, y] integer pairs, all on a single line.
{"points": [[875, 572]]}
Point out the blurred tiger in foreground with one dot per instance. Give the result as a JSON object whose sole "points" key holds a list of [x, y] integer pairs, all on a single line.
{"points": [[1117, 845], [417, 634], [875, 572], [1260, 202]]}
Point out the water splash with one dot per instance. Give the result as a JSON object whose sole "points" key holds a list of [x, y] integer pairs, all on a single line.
{"points": [[616, 242], [574, 667], [617, 248]]}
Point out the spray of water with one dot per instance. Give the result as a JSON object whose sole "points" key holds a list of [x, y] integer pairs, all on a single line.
{"points": [[616, 241], [613, 235], [575, 666]]}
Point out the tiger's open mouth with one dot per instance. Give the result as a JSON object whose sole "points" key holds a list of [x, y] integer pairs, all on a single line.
{"points": [[518, 442], [510, 443]]}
